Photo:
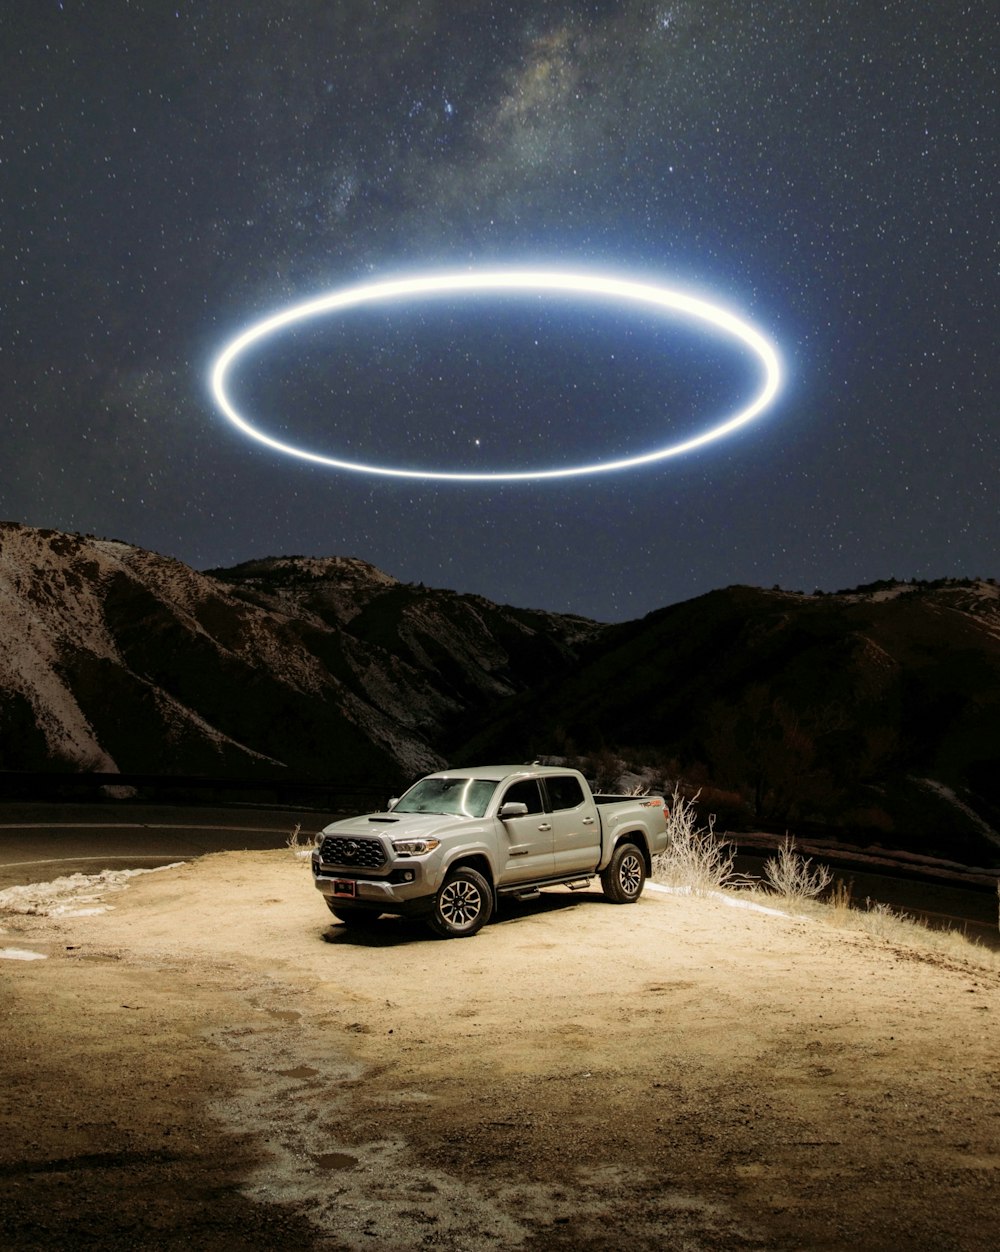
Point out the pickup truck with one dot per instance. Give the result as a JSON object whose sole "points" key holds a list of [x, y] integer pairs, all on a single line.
{"points": [[460, 840]]}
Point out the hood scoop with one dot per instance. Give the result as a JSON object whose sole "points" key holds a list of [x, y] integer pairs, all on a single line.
{"points": [[383, 819]]}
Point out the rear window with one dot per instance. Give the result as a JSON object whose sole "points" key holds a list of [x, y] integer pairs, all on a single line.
{"points": [[564, 791]]}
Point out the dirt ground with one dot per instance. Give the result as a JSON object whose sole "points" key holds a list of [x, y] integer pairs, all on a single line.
{"points": [[214, 1063]]}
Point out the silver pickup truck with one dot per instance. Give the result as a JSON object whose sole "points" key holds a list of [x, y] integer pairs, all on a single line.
{"points": [[460, 840]]}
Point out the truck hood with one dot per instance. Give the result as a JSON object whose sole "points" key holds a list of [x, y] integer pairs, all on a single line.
{"points": [[400, 825]]}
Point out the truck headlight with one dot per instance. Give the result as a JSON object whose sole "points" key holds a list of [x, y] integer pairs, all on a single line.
{"points": [[414, 847]]}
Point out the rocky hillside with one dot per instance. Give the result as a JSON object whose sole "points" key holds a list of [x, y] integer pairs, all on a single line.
{"points": [[116, 659]]}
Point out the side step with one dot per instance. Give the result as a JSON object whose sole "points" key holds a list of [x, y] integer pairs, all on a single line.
{"points": [[532, 890]]}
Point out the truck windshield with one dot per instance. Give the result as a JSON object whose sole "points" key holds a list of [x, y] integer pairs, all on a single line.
{"points": [[465, 797]]}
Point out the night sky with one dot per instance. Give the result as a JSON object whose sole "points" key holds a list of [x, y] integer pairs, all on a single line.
{"points": [[172, 173]]}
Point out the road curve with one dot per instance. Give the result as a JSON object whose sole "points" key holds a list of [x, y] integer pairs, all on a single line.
{"points": [[44, 841]]}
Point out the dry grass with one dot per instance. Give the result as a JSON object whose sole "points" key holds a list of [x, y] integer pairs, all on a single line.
{"points": [[702, 861], [882, 922], [840, 898]]}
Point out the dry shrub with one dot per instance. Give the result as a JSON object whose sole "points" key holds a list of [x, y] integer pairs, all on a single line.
{"points": [[883, 921], [696, 857], [794, 876]]}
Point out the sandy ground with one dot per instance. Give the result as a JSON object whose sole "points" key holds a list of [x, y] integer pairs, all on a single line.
{"points": [[213, 1063]]}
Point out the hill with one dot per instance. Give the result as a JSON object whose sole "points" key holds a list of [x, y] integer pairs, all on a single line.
{"points": [[116, 659], [876, 709]]}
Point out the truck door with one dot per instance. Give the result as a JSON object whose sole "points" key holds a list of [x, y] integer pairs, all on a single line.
{"points": [[576, 826], [528, 840]]}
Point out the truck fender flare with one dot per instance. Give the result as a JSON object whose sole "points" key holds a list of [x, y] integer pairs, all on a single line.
{"points": [[476, 857], [636, 836]]}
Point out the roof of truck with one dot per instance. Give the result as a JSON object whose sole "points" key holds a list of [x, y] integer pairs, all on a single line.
{"points": [[495, 773]]}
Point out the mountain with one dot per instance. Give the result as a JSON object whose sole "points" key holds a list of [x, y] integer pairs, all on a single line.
{"points": [[116, 659], [875, 709]]}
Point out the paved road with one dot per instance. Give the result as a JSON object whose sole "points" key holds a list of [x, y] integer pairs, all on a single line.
{"points": [[39, 842]]}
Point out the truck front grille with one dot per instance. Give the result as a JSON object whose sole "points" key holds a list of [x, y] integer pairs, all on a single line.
{"points": [[363, 853]]}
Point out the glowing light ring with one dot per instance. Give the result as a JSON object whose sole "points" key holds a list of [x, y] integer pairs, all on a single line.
{"points": [[592, 285]]}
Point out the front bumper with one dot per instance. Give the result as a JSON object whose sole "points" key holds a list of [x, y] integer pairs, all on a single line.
{"points": [[402, 888]]}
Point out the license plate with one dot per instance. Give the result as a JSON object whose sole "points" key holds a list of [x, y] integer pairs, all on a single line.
{"points": [[344, 887]]}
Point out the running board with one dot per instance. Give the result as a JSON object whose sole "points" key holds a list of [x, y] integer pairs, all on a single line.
{"points": [[531, 890]]}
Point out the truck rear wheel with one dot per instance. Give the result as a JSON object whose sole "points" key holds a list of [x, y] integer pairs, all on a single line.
{"points": [[625, 876], [463, 905]]}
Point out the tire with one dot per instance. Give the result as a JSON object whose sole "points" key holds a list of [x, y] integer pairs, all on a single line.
{"points": [[625, 876], [462, 906], [352, 916]]}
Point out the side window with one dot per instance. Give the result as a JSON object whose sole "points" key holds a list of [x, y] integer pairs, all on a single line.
{"points": [[524, 792], [564, 791]]}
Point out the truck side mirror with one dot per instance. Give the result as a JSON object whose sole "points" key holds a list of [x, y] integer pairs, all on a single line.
{"points": [[392, 803], [512, 808]]}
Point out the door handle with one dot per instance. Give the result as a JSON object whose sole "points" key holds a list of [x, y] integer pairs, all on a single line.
{"points": [[588, 821], [545, 826]]}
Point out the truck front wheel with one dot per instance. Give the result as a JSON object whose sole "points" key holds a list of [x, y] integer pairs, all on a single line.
{"points": [[625, 876], [463, 905]]}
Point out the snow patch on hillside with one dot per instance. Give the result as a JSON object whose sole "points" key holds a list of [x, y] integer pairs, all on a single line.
{"points": [[957, 802]]}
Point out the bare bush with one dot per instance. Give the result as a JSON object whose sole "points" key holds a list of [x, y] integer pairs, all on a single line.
{"points": [[883, 921], [696, 857], [793, 876]]}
